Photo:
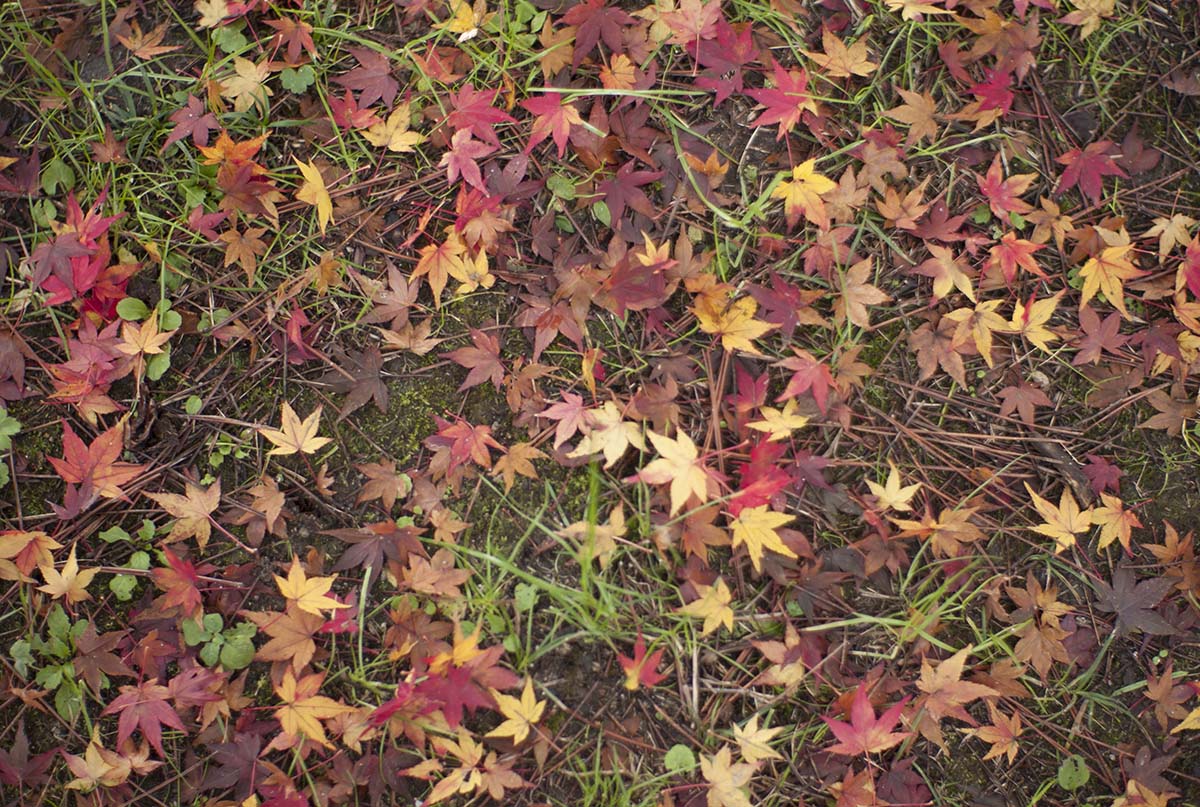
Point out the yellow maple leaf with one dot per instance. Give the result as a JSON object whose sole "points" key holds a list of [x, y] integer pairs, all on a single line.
{"points": [[247, 87], [521, 714], [1030, 320], [1061, 523], [1116, 523], [755, 528], [70, 582], [304, 709], [295, 435], [734, 322], [609, 433], [212, 12], [393, 133], [909, 9], [678, 463], [1190, 723], [191, 511], [1088, 14], [890, 494], [727, 781], [801, 195], [310, 594], [712, 606], [466, 19], [312, 191], [780, 424], [752, 741], [1107, 273]]}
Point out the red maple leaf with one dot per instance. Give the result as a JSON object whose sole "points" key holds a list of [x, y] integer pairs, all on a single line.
{"points": [[95, 466], [472, 109], [623, 189], [178, 579], [735, 49], [1098, 336], [465, 441], [348, 115], [144, 707], [570, 414], [641, 669], [786, 101], [554, 119], [1087, 168], [866, 734], [596, 21], [192, 119], [1004, 195], [372, 78], [483, 360], [808, 374], [295, 36], [1012, 253]]}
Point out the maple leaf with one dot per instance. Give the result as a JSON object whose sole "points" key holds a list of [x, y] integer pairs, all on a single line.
{"points": [[23, 551], [192, 120], [753, 741], [1062, 523], [891, 495], [1022, 398], [383, 483], [460, 159], [1087, 168], [570, 414], [786, 101], [1002, 734], [1003, 195], [483, 360], [679, 463], [865, 733], [948, 272], [98, 767], [296, 35], [1115, 522], [728, 782], [912, 9], [1098, 337], [734, 322], [518, 460], [1134, 602], [304, 709], [692, 23], [779, 424], [554, 116], [291, 633], [17, 768], [192, 511], [144, 707], [312, 191], [94, 656], [521, 714], [393, 134], [1011, 253], [178, 579], [977, 324], [95, 466], [295, 435], [945, 692], [840, 60], [472, 109], [808, 375], [801, 195], [641, 669], [856, 294], [70, 582], [596, 21], [146, 45], [246, 86], [1107, 273], [372, 78], [756, 529], [712, 605], [309, 594], [597, 541], [607, 431], [1030, 320], [243, 248], [946, 533], [919, 111]]}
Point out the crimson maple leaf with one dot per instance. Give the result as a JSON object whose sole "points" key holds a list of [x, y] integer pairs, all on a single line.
{"points": [[144, 707], [808, 375], [192, 119], [1087, 168], [372, 78], [786, 101], [178, 579], [349, 115], [624, 189], [596, 21], [735, 49], [54, 257], [465, 441], [1003, 195], [866, 734], [460, 159]]}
